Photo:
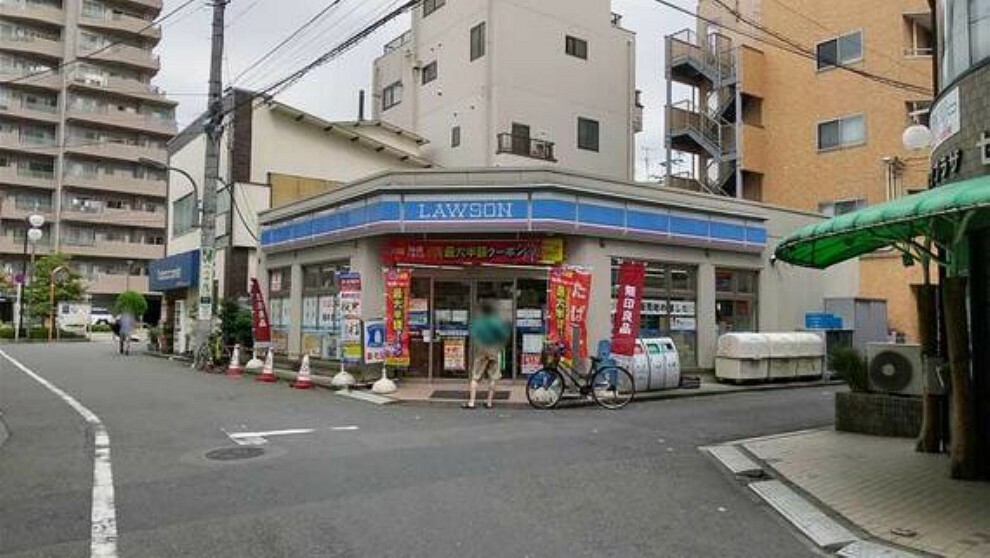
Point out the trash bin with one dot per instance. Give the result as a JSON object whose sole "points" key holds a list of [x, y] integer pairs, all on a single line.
{"points": [[656, 364], [743, 356]]}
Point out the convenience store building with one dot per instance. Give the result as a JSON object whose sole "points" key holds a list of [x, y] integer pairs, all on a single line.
{"points": [[491, 235]]}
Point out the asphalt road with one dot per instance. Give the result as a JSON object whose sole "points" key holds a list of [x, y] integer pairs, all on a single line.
{"points": [[409, 482]]}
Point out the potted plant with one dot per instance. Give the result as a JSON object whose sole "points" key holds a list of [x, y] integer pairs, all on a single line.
{"points": [[864, 411]]}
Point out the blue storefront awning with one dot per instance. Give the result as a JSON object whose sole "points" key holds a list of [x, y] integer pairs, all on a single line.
{"points": [[175, 272]]}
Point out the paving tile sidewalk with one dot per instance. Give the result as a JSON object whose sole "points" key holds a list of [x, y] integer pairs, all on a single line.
{"points": [[884, 487]]}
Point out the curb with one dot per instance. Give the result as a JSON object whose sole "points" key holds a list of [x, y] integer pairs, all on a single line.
{"points": [[4, 433]]}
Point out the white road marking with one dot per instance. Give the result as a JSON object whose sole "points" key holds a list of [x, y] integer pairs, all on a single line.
{"points": [[103, 516], [344, 428], [261, 438]]}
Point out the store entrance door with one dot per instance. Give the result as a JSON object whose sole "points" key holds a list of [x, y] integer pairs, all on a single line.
{"points": [[501, 296], [451, 322]]}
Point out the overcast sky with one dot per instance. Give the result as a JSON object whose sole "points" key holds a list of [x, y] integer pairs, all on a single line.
{"points": [[255, 26]]}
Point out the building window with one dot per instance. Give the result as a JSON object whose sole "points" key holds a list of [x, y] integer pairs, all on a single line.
{"points": [[842, 132], [430, 6], [392, 95], [921, 40], [429, 72], [918, 111], [183, 214], [576, 47], [670, 299], [588, 134], [840, 51], [840, 207], [735, 300], [963, 36], [455, 136], [477, 41]]}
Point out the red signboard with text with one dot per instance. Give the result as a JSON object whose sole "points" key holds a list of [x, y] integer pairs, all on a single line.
{"points": [[628, 303], [397, 286], [526, 251], [568, 297], [262, 327]]}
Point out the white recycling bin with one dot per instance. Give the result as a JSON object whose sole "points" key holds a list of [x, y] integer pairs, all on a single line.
{"points": [[743, 357], [655, 366]]}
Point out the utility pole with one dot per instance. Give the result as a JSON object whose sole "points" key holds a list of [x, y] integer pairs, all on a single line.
{"points": [[214, 133]]}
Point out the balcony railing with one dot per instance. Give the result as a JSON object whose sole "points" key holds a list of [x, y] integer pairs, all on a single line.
{"points": [[913, 51], [398, 42], [525, 146]]}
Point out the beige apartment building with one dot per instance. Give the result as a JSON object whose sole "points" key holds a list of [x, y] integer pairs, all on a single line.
{"points": [[78, 113], [768, 101]]}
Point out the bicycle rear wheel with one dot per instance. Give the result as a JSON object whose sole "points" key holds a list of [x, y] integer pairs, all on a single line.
{"points": [[545, 388], [613, 387]]}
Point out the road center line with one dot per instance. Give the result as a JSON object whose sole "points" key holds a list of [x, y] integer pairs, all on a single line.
{"points": [[103, 516], [236, 435]]}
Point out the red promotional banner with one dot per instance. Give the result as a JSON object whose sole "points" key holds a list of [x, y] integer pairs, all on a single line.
{"points": [[569, 293], [628, 303], [397, 286], [531, 251], [262, 327]]}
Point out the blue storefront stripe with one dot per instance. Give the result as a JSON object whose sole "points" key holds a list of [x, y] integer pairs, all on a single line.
{"points": [[174, 272]]}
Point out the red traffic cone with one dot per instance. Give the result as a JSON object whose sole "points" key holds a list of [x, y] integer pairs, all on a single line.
{"points": [[305, 378], [268, 372], [234, 369]]}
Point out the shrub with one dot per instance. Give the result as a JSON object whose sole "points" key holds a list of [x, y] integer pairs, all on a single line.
{"points": [[101, 328], [851, 367], [39, 333], [131, 302]]}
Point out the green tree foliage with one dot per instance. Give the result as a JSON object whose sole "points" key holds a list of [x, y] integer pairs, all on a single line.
{"points": [[131, 302], [851, 367], [236, 323], [68, 285]]}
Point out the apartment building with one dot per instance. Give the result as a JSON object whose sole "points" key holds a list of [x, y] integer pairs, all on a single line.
{"points": [[802, 104], [521, 83], [78, 113]]}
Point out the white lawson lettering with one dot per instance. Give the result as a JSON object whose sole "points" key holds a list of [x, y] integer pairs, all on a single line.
{"points": [[455, 211]]}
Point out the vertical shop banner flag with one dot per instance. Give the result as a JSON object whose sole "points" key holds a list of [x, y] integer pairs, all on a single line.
{"points": [[398, 283], [558, 301], [262, 327], [578, 311], [629, 301]]}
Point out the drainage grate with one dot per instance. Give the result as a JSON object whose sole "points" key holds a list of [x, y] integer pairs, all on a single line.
{"points": [[234, 454]]}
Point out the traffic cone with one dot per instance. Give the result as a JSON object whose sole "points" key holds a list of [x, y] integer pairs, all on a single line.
{"points": [[234, 369], [268, 372], [305, 378]]}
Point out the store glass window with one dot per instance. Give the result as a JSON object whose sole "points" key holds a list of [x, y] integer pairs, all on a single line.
{"points": [[963, 36], [670, 299], [736, 300], [321, 313]]}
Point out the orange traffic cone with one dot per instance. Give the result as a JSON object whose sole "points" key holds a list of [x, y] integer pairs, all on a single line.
{"points": [[268, 372], [305, 378], [234, 369]]}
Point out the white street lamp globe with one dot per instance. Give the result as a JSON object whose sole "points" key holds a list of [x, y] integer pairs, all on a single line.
{"points": [[34, 235], [36, 221], [917, 137]]}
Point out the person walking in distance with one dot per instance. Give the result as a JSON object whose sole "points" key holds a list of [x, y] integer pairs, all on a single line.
{"points": [[489, 334], [125, 329]]}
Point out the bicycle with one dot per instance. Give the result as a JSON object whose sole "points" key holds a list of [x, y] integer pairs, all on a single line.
{"points": [[212, 356], [610, 385]]}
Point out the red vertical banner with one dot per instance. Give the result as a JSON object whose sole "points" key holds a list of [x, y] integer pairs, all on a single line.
{"points": [[628, 304], [558, 301], [397, 286], [578, 310], [262, 327]]}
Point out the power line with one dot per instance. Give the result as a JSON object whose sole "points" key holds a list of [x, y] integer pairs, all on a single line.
{"points": [[112, 44], [788, 45]]}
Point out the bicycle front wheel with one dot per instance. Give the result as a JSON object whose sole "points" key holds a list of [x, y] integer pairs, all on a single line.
{"points": [[613, 387], [545, 388]]}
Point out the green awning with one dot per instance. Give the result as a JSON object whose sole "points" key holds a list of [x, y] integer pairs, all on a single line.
{"points": [[935, 214]]}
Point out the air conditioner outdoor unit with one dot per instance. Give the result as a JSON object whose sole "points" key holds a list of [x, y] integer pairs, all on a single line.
{"points": [[895, 368]]}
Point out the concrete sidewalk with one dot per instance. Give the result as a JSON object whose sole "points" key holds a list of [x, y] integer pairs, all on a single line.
{"points": [[885, 488]]}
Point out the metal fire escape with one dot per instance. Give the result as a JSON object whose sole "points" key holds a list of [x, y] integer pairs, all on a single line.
{"points": [[705, 125]]}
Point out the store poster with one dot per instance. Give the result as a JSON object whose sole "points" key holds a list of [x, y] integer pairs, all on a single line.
{"points": [[454, 354], [310, 313], [625, 325], [397, 286], [530, 363], [374, 342], [286, 312], [328, 313], [351, 331], [419, 313]]}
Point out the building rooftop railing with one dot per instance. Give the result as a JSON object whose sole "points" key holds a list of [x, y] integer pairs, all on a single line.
{"points": [[398, 42]]}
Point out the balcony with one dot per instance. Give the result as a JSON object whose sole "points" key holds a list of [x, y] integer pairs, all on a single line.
{"points": [[33, 46], [398, 42], [24, 177], [19, 141], [691, 131], [111, 150], [693, 61], [114, 284], [119, 86], [11, 244], [116, 183], [11, 210], [18, 108], [120, 119], [123, 54], [122, 23], [104, 249], [524, 146], [40, 78], [145, 4], [119, 217], [30, 12]]}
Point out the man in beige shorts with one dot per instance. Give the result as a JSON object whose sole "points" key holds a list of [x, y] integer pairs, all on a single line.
{"points": [[488, 336]]}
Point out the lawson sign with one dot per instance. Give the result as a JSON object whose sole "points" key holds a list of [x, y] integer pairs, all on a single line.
{"points": [[467, 210], [180, 271]]}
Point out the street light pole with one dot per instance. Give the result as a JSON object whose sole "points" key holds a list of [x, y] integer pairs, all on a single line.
{"points": [[33, 234]]}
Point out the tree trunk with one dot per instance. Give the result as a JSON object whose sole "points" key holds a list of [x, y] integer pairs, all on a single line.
{"points": [[930, 440], [962, 421]]}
